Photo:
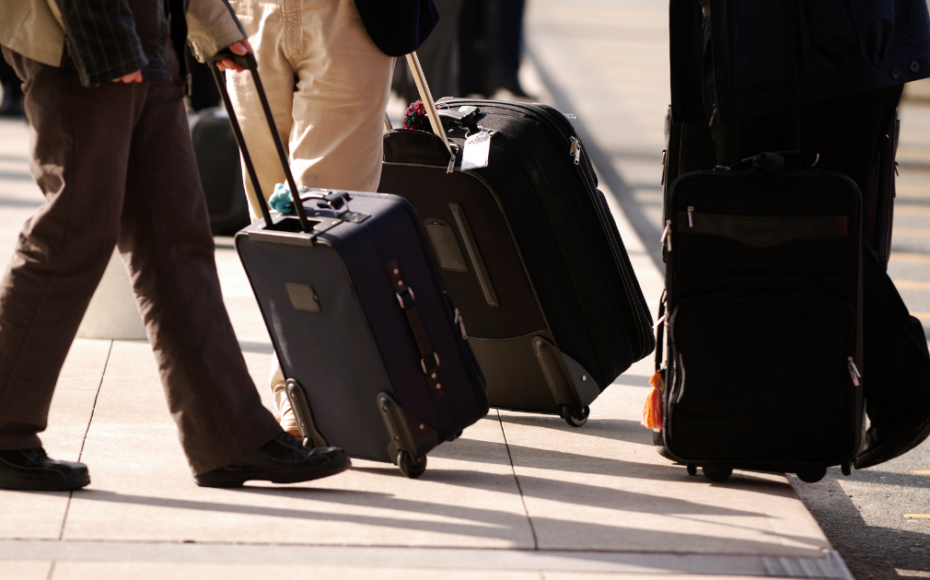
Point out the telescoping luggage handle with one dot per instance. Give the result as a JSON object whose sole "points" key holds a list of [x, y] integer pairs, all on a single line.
{"points": [[419, 78], [248, 61]]}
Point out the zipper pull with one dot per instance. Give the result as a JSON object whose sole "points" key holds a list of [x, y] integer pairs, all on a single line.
{"points": [[667, 235], [451, 167], [854, 373], [575, 150], [690, 216], [713, 116]]}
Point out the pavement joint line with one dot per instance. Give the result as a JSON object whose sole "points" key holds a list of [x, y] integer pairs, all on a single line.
{"points": [[90, 420], [516, 479], [829, 565]]}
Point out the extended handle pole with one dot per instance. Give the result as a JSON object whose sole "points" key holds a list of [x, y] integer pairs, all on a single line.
{"points": [[248, 61], [420, 79]]}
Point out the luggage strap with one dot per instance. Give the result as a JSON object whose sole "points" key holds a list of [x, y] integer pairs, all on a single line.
{"points": [[429, 360]]}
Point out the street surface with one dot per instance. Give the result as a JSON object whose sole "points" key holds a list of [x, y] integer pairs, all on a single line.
{"points": [[607, 61]]}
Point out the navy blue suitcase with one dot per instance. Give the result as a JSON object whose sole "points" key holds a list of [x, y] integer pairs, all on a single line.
{"points": [[375, 353]]}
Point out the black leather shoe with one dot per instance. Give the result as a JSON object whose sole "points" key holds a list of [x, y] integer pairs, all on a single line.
{"points": [[31, 469], [281, 460], [884, 444]]}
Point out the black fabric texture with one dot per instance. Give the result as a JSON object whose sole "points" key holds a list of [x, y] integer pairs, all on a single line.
{"points": [[847, 48], [897, 363], [763, 324], [399, 27]]}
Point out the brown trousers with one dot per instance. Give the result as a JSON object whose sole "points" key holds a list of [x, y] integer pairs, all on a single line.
{"points": [[116, 166]]}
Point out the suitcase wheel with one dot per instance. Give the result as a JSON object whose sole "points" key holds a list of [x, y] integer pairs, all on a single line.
{"points": [[847, 469], [692, 469], [578, 418], [408, 466], [811, 474], [717, 472]]}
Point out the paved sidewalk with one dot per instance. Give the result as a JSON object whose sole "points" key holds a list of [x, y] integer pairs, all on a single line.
{"points": [[519, 496]]}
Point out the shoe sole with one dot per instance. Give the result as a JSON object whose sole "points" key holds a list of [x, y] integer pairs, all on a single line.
{"points": [[915, 438], [40, 485], [238, 479]]}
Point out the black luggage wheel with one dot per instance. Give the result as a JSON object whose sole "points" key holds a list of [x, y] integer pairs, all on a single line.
{"points": [[692, 469], [717, 472], [847, 468], [812, 474], [577, 418], [409, 467]]}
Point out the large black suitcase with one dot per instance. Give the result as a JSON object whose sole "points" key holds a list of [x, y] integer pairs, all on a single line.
{"points": [[375, 353], [762, 316], [763, 322], [528, 249]]}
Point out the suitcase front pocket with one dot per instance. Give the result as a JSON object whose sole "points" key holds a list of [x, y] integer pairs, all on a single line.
{"points": [[761, 373], [706, 241]]}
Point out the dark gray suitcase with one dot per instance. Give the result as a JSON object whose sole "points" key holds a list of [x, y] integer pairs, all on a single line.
{"points": [[528, 249], [374, 351], [220, 172]]}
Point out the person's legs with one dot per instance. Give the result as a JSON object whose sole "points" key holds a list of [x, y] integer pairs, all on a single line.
{"points": [[268, 25], [337, 112], [165, 241], [343, 87], [80, 145]]}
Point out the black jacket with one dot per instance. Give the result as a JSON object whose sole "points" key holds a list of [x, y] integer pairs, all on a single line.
{"points": [[398, 26], [847, 47]]}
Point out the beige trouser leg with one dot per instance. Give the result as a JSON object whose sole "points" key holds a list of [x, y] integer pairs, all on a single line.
{"points": [[328, 86]]}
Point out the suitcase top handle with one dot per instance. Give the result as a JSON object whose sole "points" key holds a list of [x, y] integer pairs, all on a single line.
{"points": [[248, 61]]}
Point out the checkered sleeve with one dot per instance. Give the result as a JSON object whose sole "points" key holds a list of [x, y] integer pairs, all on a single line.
{"points": [[101, 39]]}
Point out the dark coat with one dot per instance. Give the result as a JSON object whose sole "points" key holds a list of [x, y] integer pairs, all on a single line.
{"points": [[398, 26], [847, 47]]}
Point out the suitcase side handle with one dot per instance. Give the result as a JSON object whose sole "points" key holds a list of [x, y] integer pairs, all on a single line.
{"points": [[248, 61]]}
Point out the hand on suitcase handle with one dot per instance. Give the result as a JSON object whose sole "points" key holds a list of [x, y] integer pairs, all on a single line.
{"points": [[230, 58]]}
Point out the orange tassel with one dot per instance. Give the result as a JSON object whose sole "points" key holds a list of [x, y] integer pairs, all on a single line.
{"points": [[652, 412]]}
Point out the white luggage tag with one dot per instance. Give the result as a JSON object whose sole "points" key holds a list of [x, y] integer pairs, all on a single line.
{"points": [[477, 150]]}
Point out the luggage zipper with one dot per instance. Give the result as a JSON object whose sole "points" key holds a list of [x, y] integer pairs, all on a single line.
{"points": [[575, 150], [690, 216], [854, 372], [562, 128], [667, 235]]}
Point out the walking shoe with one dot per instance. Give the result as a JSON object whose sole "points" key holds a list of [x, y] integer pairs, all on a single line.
{"points": [[32, 470], [281, 460], [884, 444]]}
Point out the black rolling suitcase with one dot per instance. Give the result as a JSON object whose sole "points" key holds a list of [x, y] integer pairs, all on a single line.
{"points": [[528, 250], [374, 351], [220, 172], [762, 317]]}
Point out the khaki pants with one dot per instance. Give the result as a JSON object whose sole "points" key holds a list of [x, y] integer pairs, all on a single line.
{"points": [[328, 87]]}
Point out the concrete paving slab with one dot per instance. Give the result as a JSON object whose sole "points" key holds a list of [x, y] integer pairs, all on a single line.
{"points": [[160, 571], [24, 570], [143, 490], [827, 565], [603, 487], [40, 515]]}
